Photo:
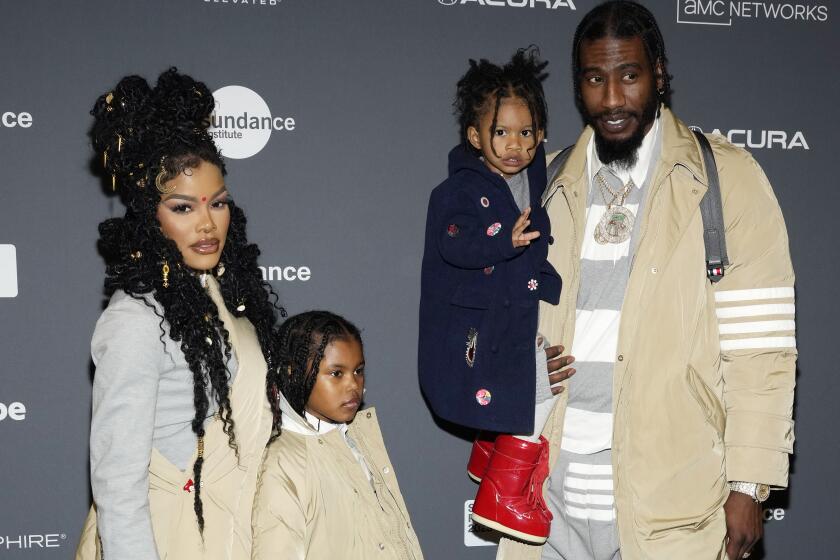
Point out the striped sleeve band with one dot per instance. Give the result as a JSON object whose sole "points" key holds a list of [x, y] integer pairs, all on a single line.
{"points": [[755, 319]]}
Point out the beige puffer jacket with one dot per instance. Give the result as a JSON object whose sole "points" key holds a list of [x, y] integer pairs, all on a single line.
{"points": [[315, 502]]}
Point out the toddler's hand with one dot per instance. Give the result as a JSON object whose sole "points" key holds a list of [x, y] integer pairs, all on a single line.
{"points": [[520, 238]]}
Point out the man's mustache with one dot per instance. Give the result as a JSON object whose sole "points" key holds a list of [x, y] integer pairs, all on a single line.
{"points": [[614, 115]]}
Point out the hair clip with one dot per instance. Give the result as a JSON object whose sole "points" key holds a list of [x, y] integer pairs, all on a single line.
{"points": [[160, 179]]}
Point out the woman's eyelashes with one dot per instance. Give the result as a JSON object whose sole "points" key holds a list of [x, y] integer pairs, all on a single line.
{"points": [[182, 208], [187, 207]]}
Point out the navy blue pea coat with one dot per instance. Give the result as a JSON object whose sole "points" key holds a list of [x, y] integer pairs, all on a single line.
{"points": [[480, 297]]}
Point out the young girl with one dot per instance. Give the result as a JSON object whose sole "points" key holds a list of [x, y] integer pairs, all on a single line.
{"points": [[326, 487], [484, 272]]}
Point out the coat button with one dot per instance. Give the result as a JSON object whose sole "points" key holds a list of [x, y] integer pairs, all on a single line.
{"points": [[654, 270], [483, 397], [368, 415], [320, 441], [621, 357], [386, 470], [381, 546]]}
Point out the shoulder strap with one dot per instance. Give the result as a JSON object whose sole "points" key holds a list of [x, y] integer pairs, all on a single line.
{"points": [[711, 209]]}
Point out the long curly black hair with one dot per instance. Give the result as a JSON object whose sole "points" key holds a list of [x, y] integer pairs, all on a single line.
{"points": [[301, 342], [485, 85], [622, 19], [142, 134]]}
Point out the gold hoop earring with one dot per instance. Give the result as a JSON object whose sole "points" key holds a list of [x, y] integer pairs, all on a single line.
{"points": [[165, 273]]}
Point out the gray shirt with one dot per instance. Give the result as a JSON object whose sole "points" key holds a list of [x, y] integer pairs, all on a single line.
{"points": [[519, 188], [142, 399]]}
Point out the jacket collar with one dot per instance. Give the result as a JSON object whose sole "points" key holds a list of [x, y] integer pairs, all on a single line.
{"points": [[680, 147], [294, 422], [462, 158]]}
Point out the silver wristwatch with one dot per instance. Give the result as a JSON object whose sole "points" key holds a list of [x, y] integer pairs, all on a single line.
{"points": [[758, 492]]}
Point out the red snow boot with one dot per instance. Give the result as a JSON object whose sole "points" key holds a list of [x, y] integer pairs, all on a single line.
{"points": [[510, 496], [479, 457]]}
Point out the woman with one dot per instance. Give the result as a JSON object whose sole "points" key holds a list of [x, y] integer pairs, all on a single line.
{"points": [[180, 414]]}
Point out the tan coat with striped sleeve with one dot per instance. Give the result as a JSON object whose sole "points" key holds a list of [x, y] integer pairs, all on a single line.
{"points": [[704, 375]]}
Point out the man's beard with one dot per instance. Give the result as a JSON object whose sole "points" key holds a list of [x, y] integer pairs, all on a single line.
{"points": [[623, 154]]}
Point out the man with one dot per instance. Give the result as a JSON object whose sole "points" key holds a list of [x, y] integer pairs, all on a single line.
{"points": [[678, 421]]}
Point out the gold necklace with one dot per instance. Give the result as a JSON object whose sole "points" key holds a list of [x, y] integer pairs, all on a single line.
{"points": [[616, 225]]}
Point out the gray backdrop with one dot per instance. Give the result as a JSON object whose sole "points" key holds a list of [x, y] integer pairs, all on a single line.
{"points": [[369, 85]]}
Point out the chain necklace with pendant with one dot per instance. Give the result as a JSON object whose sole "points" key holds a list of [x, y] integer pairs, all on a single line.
{"points": [[616, 224]]}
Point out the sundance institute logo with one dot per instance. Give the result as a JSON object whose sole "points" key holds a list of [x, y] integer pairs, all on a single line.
{"points": [[242, 123]]}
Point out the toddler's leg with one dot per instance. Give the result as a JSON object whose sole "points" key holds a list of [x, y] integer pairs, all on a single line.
{"points": [[544, 401], [510, 496]]}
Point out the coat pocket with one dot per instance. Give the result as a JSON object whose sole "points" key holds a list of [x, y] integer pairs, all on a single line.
{"points": [[468, 329], [709, 403], [470, 298]]}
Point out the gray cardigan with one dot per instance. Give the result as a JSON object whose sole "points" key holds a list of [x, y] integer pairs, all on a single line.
{"points": [[142, 398]]}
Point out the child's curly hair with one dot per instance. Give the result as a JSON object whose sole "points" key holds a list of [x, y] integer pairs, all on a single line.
{"points": [[485, 84]]}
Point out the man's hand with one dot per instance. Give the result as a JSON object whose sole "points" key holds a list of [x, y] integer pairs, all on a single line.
{"points": [[744, 527], [520, 238], [558, 369]]}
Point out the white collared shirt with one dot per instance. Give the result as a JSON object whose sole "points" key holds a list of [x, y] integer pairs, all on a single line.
{"points": [[604, 272], [639, 171]]}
